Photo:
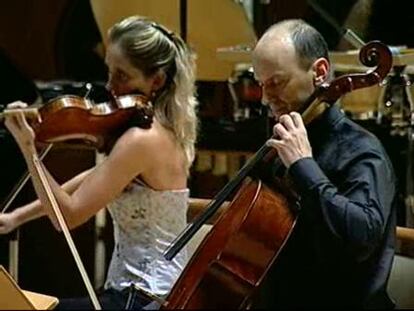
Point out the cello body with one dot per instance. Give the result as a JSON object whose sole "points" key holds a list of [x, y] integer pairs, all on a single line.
{"points": [[234, 257]]}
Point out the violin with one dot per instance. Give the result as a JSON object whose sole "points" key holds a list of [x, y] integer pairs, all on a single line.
{"points": [[73, 118]]}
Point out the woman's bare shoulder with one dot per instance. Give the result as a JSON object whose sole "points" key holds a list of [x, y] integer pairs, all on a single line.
{"points": [[141, 140]]}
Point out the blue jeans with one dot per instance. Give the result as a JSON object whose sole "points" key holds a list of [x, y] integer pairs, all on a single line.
{"points": [[110, 299]]}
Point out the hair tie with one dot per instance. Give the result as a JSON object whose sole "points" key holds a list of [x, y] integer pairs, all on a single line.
{"points": [[169, 34]]}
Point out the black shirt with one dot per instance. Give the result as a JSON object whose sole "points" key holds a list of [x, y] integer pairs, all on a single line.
{"points": [[341, 250]]}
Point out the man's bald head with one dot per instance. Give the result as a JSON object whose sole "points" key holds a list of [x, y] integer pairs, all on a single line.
{"points": [[290, 61], [296, 36]]}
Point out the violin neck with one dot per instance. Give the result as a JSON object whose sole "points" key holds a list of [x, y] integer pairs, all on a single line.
{"points": [[30, 113]]}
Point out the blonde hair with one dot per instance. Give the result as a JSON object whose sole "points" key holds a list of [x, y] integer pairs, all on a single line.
{"points": [[151, 47]]}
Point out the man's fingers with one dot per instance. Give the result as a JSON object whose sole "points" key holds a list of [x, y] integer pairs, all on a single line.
{"points": [[280, 131], [297, 119], [287, 122], [274, 143]]}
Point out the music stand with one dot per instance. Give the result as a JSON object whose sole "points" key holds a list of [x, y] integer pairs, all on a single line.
{"points": [[12, 297]]}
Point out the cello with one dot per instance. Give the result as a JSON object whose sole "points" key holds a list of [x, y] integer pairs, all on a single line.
{"points": [[233, 259]]}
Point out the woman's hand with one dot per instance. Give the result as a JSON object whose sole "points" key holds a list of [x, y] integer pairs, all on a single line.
{"points": [[8, 222], [16, 123]]}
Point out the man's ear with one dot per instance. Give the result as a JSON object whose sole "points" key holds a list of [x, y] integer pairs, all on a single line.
{"points": [[320, 70], [158, 80]]}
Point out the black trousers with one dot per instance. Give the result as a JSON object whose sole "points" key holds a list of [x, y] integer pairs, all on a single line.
{"points": [[110, 299]]}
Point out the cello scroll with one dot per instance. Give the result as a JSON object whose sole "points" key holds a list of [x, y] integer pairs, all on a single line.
{"points": [[372, 54]]}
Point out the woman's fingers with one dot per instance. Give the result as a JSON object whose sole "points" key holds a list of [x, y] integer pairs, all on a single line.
{"points": [[17, 105]]}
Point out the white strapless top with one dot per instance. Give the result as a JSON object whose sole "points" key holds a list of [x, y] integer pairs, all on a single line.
{"points": [[145, 222]]}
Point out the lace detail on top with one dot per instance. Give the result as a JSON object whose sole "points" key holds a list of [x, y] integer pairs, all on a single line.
{"points": [[145, 222]]}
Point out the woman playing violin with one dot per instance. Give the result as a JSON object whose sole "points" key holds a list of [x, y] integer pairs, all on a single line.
{"points": [[143, 180], [341, 250]]}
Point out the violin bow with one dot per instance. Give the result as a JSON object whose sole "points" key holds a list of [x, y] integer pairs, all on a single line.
{"points": [[14, 242], [21, 183], [62, 223]]}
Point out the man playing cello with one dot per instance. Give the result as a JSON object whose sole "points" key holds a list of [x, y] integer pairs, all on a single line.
{"points": [[341, 250]]}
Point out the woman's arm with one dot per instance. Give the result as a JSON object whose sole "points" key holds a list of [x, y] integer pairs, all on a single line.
{"points": [[128, 159], [34, 210]]}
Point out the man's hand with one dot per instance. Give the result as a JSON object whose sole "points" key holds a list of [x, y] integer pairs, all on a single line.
{"points": [[292, 141]]}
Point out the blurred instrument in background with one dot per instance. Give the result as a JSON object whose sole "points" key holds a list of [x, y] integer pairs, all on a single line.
{"points": [[246, 93], [235, 54], [388, 103]]}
